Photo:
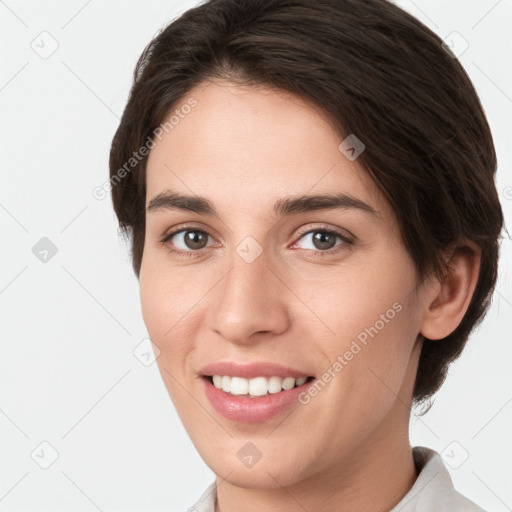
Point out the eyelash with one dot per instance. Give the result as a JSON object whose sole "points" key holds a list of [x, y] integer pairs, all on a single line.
{"points": [[345, 240]]}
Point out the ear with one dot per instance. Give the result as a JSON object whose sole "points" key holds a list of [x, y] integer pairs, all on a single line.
{"points": [[448, 301]]}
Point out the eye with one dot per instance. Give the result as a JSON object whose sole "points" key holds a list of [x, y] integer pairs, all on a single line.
{"points": [[323, 240], [186, 240]]}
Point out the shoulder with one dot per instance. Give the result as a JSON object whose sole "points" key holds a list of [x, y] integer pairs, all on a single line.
{"points": [[206, 503], [433, 489]]}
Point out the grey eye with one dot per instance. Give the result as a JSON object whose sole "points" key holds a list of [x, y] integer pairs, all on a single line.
{"points": [[321, 239]]}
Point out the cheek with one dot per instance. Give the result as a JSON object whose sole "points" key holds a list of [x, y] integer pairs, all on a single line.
{"points": [[166, 295], [167, 305], [374, 326], [167, 310], [373, 320]]}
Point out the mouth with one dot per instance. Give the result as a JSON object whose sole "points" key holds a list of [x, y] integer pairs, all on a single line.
{"points": [[256, 387], [252, 391], [254, 400]]}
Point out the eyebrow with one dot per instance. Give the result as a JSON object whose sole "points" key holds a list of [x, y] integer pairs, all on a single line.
{"points": [[170, 200]]}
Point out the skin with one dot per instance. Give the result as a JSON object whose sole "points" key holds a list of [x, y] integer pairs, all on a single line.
{"points": [[243, 148]]}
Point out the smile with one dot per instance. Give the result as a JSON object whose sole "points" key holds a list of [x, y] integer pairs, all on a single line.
{"points": [[252, 391], [256, 387]]}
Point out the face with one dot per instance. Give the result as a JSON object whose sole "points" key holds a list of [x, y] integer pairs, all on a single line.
{"points": [[253, 282]]}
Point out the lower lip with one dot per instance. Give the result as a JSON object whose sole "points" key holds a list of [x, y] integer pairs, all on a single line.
{"points": [[251, 410]]}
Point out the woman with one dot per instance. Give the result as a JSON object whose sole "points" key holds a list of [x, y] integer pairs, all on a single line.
{"points": [[309, 192]]}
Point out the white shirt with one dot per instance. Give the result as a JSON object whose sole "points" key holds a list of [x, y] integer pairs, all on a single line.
{"points": [[432, 491]]}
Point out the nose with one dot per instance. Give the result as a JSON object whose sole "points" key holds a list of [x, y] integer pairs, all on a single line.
{"points": [[249, 303]]}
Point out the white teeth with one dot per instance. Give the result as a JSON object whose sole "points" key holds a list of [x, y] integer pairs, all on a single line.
{"points": [[258, 386], [300, 381], [274, 384], [288, 383], [226, 384], [238, 386]]}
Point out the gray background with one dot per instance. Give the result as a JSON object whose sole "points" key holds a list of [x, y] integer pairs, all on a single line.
{"points": [[73, 374]]}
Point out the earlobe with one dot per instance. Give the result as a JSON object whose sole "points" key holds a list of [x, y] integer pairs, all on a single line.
{"points": [[450, 299]]}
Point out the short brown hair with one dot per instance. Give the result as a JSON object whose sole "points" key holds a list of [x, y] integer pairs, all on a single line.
{"points": [[380, 74]]}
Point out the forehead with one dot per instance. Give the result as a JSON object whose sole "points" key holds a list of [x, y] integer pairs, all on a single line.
{"points": [[247, 146]]}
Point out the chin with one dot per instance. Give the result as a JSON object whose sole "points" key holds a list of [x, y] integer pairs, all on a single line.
{"points": [[243, 466]]}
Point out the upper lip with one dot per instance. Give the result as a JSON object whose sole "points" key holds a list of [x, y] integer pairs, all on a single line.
{"points": [[251, 369]]}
